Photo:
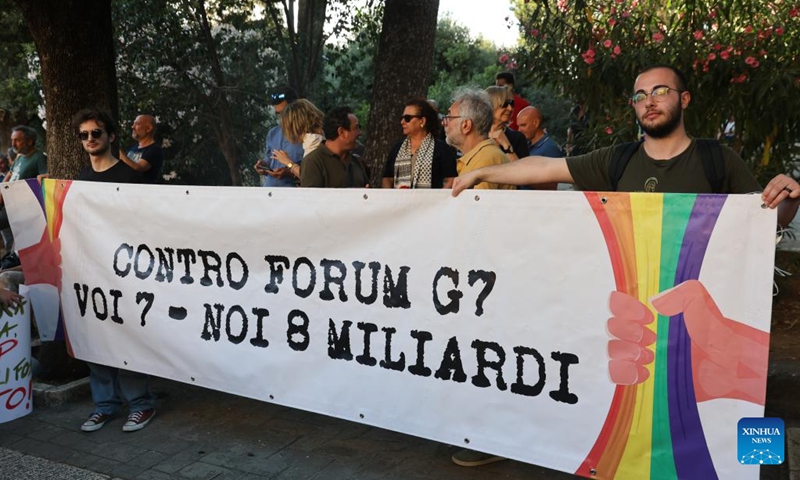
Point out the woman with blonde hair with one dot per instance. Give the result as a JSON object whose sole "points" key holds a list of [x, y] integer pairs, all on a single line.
{"points": [[301, 122], [511, 142]]}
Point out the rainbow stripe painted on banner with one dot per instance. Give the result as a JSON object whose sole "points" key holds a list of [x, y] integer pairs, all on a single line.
{"points": [[53, 193], [653, 429]]}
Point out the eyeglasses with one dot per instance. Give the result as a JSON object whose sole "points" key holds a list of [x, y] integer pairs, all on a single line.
{"points": [[508, 103], [408, 118], [447, 118], [658, 93], [96, 133]]}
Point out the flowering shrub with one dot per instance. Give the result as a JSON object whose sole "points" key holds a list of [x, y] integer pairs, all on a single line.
{"points": [[740, 58]]}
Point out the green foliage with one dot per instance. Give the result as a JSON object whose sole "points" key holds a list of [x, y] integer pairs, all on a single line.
{"points": [[164, 68], [741, 59], [19, 94]]}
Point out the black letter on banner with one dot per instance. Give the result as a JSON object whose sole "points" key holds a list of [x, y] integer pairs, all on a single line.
{"points": [[303, 293], [150, 264], [368, 328], [419, 368], [519, 387], [104, 315], [373, 295], [129, 249], [245, 272], [115, 306], [339, 344], [563, 394], [166, 265], [301, 330], [488, 278], [480, 379], [260, 341], [395, 296], [451, 360], [387, 361], [326, 293], [236, 339], [205, 255], [275, 271], [84, 300], [453, 295], [148, 297], [188, 255], [211, 322]]}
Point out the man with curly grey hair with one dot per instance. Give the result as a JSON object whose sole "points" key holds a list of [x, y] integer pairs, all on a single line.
{"points": [[467, 125]]}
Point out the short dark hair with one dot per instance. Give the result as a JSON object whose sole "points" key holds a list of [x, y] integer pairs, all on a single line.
{"points": [[431, 116], [337, 117], [281, 94], [103, 118], [28, 132], [507, 76], [680, 77]]}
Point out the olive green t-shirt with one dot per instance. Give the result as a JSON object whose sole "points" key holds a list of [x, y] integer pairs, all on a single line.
{"points": [[324, 169], [683, 173]]}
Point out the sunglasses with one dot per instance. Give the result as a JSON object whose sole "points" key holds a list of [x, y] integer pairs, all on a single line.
{"points": [[408, 118], [96, 133], [277, 98], [508, 103]]}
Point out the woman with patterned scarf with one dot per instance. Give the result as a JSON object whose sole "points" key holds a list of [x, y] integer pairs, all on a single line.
{"points": [[421, 160]]}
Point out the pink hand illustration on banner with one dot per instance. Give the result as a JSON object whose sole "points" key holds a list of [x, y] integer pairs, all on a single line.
{"points": [[729, 358], [628, 353]]}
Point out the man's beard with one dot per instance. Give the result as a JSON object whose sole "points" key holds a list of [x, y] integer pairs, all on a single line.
{"points": [[455, 140], [101, 150], [669, 125]]}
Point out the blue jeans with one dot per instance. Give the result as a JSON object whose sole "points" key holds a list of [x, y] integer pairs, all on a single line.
{"points": [[109, 383]]}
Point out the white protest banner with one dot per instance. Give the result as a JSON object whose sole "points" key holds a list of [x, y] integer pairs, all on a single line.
{"points": [[15, 361], [479, 321]]}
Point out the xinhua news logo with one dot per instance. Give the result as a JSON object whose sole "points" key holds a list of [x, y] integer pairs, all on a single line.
{"points": [[761, 441]]}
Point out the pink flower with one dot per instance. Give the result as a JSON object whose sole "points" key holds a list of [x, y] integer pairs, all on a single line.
{"points": [[712, 14], [712, 56], [612, 22], [609, 130], [588, 56], [717, 47], [748, 29], [607, 43], [535, 32], [562, 5], [752, 62], [698, 35], [626, 14], [617, 50], [779, 31], [504, 58], [658, 37], [794, 12], [740, 79], [512, 66], [724, 55]]}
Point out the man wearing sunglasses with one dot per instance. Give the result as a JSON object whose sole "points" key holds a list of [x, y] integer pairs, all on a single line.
{"points": [[147, 157], [275, 173], [96, 130]]}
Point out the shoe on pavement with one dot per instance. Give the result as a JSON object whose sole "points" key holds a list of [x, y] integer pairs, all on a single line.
{"points": [[471, 458], [138, 420], [95, 421]]}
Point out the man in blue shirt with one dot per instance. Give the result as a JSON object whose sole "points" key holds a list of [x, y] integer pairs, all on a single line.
{"points": [[275, 174], [529, 121]]}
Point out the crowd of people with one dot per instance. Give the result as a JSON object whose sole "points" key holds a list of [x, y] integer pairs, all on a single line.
{"points": [[487, 139]]}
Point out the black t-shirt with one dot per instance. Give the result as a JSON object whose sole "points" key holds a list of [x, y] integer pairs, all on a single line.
{"points": [[154, 155], [518, 142], [118, 173], [683, 173], [443, 166]]}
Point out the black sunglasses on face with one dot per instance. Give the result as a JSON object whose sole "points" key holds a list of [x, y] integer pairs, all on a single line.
{"points": [[96, 133], [508, 103], [408, 118]]}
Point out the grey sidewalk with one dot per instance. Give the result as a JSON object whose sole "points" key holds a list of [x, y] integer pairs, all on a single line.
{"points": [[203, 434]]}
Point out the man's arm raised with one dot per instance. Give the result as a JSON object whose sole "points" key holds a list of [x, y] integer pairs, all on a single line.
{"points": [[526, 171]]}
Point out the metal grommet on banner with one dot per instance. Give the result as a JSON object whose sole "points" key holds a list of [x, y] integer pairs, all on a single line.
{"points": [[466, 440], [603, 200], [118, 189], [477, 198], [187, 192], [592, 472], [192, 378], [361, 415], [365, 196], [269, 194], [764, 205], [271, 397]]}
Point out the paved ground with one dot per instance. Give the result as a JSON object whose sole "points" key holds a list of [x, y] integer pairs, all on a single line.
{"points": [[203, 434]]}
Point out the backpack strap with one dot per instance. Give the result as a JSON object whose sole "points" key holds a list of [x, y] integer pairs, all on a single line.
{"points": [[713, 164], [620, 157]]}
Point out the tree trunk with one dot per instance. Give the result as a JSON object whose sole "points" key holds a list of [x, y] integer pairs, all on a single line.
{"points": [[402, 71], [75, 42]]}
